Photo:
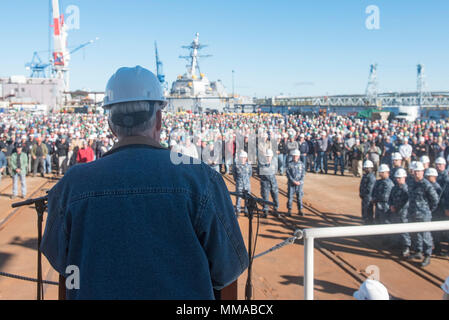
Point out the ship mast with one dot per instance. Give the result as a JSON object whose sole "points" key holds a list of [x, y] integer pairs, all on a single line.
{"points": [[193, 65]]}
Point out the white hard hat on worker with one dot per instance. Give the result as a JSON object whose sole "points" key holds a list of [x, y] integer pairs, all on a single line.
{"points": [[133, 84]]}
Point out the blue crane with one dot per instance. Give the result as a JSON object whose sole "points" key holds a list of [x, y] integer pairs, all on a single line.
{"points": [[38, 69], [84, 45]]}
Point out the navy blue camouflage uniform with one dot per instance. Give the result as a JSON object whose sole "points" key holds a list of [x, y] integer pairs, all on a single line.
{"points": [[438, 214], [242, 174], [399, 200], [381, 195], [365, 193], [268, 183], [423, 200], [295, 173]]}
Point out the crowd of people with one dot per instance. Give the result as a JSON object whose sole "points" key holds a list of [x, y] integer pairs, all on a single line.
{"points": [[391, 154]]}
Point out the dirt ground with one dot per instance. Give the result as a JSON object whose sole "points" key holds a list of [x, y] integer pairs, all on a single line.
{"points": [[277, 275]]}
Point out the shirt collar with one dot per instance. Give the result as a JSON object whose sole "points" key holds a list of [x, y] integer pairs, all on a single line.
{"points": [[133, 140]]}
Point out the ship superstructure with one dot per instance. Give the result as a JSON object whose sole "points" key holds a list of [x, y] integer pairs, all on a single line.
{"points": [[193, 90]]}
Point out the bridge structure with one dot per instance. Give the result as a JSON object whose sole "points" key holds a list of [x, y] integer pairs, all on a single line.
{"points": [[395, 99]]}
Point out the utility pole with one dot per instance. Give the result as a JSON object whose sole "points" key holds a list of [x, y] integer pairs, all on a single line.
{"points": [[233, 72]]}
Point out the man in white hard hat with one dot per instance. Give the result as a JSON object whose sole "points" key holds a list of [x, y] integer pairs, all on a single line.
{"points": [[423, 200], [398, 203], [296, 171], [443, 176], [268, 182], [425, 161], [366, 192], [372, 290], [397, 164], [381, 194], [439, 214], [242, 172], [136, 225]]}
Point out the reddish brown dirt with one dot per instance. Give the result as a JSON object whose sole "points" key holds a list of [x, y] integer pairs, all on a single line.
{"points": [[18, 245], [278, 275]]}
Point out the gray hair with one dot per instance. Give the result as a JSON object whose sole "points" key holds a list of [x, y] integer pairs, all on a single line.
{"points": [[120, 110]]}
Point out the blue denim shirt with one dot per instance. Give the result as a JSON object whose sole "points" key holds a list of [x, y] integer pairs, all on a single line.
{"points": [[140, 227]]}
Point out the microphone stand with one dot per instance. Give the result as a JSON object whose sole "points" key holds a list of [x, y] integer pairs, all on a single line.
{"points": [[41, 206], [251, 204]]}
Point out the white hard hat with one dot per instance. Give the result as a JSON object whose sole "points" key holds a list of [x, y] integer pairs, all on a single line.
{"points": [[431, 172], [384, 168], [397, 156], [440, 160], [445, 286], [368, 164], [418, 166], [269, 153], [413, 165], [296, 152], [133, 84], [243, 154], [372, 290], [425, 159], [400, 173]]}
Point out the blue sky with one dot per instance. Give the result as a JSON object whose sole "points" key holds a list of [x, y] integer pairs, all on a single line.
{"points": [[291, 47]]}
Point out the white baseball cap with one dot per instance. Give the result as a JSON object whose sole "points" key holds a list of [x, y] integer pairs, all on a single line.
{"points": [[243, 154], [384, 168], [368, 164], [372, 290], [425, 159], [296, 152], [440, 160], [400, 173], [431, 172], [418, 166], [445, 286], [397, 156]]}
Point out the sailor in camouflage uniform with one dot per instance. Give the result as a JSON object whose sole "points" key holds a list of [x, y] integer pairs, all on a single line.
{"points": [[295, 174], [423, 200], [397, 164], [439, 215], [365, 191], [268, 183], [242, 173], [399, 209], [381, 194]]}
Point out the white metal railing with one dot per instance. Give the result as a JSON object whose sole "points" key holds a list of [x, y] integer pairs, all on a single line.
{"points": [[310, 235]]}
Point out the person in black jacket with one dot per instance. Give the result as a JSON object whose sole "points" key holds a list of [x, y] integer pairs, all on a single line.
{"points": [[338, 148], [282, 156], [62, 149], [310, 154]]}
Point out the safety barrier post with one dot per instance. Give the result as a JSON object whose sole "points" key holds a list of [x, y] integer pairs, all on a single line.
{"points": [[308, 268], [335, 232]]}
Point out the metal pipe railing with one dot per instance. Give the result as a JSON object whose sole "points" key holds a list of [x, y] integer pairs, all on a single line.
{"points": [[318, 233]]}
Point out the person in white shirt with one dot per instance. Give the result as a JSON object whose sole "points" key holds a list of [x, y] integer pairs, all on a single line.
{"points": [[406, 152]]}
